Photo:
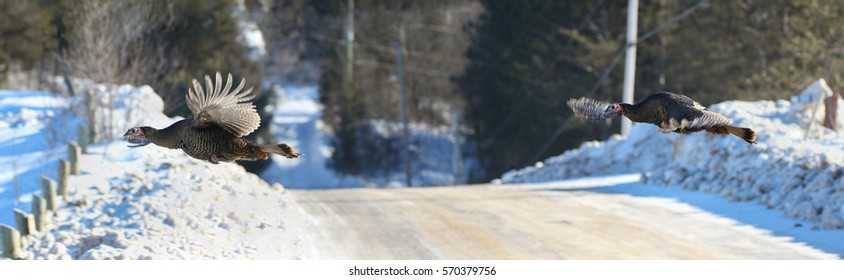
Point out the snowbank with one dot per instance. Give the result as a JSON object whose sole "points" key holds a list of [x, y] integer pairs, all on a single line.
{"points": [[803, 178], [120, 107], [152, 203]]}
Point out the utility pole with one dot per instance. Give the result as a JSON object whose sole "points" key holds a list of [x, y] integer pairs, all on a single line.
{"points": [[405, 132], [630, 60], [350, 47]]}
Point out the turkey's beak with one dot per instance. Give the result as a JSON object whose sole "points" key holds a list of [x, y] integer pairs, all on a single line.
{"points": [[610, 113], [138, 139]]}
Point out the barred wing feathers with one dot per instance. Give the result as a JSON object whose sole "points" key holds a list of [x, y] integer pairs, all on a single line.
{"points": [[230, 109], [691, 116]]}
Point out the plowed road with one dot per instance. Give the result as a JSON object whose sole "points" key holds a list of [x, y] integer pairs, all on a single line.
{"points": [[568, 220]]}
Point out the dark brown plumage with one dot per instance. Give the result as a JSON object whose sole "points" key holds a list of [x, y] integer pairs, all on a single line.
{"points": [[221, 116], [670, 111]]}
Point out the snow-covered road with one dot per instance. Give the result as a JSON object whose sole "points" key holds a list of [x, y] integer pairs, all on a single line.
{"points": [[575, 219]]}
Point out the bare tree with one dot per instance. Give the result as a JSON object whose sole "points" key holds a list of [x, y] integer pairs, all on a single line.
{"points": [[114, 42]]}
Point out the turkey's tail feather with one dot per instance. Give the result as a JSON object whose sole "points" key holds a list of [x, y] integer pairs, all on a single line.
{"points": [[744, 133], [589, 109], [280, 149]]}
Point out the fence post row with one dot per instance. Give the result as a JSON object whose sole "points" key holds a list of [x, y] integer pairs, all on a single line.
{"points": [[42, 205]]}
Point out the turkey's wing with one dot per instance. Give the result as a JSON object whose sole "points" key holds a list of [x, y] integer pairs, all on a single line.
{"points": [[679, 99], [688, 115], [230, 109]]}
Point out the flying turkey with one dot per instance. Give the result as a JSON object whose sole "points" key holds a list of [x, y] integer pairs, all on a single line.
{"points": [[670, 111], [221, 116]]}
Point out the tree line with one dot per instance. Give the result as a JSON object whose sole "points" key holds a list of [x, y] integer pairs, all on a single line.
{"points": [[505, 67], [509, 66]]}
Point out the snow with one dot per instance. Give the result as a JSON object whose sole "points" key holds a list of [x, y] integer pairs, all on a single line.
{"points": [[133, 106], [141, 203], [799, 179], [253, 38], [749, 215], [33, 128], [159, 204]]}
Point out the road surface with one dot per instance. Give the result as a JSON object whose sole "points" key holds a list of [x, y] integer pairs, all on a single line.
{"points": [[566, 220]]}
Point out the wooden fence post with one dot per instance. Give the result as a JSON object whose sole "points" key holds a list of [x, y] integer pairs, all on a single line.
{"points": [[64, 172], [39, 211], [82, 139], [11, 239], [25, 222], [830, 119], [48, 189], [73, 155]]}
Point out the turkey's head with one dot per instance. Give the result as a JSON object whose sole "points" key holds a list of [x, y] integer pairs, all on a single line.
{"points": [[614, 110], [137, 136]]}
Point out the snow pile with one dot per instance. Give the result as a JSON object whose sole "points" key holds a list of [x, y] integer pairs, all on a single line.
{"points": [[120, 107], [803, 178], [152, 203], [141, 203], [136, 106], [640, 151]]}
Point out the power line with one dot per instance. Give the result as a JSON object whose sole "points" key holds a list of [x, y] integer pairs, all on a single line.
{"points": [[700, 5]]}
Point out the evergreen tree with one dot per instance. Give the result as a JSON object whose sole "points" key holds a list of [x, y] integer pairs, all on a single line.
{"points": [[27, 32], [527, 59]]}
